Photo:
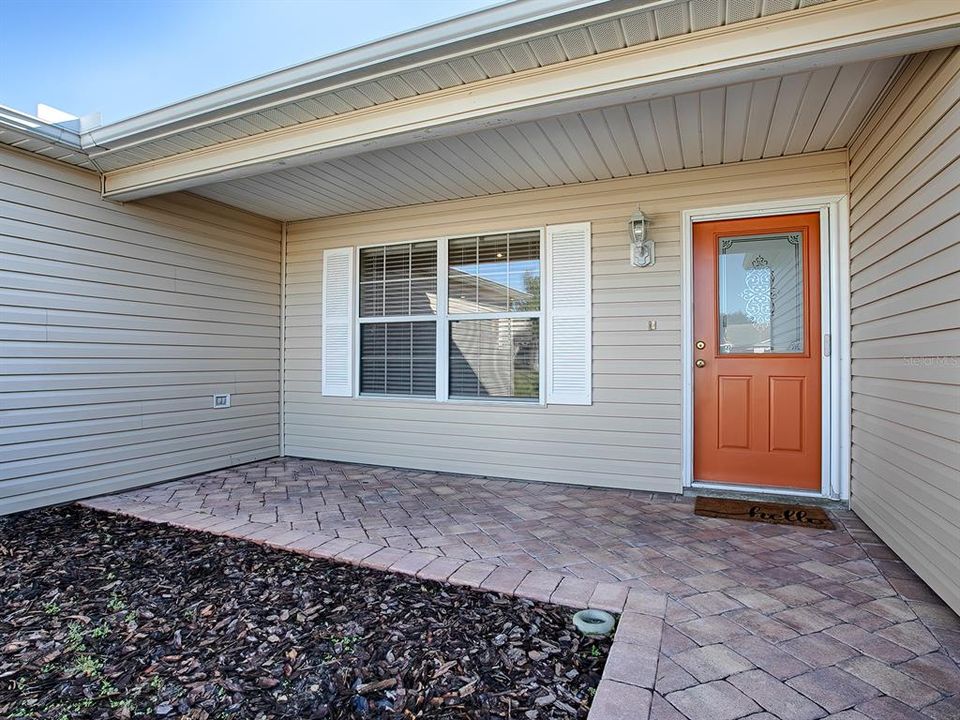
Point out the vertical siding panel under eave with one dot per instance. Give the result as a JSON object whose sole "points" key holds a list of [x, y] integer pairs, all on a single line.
{"points": [[630, 435], [905, 260], [117, 325]]}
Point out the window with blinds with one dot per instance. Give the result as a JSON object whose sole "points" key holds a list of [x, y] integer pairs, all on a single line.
{"points": [[494, 311], [398, 326], [398, 358], [398, 280], [495, 358], [476, 299], [494, 273]]}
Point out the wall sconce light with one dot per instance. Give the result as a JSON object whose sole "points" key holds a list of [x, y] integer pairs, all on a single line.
{"points": [[641, 246]]}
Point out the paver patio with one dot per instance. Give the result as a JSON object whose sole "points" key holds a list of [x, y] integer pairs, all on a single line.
{"points": [[721, 619]]}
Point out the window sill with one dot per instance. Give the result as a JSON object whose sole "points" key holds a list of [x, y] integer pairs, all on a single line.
{"points": [[423, 400]]}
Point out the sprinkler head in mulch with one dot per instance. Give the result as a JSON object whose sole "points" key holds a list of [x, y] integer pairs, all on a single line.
{"points": [[593, 623]]}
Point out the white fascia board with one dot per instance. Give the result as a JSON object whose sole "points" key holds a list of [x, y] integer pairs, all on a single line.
{"points": [[471, 32], [843, 31], [34, 127]]}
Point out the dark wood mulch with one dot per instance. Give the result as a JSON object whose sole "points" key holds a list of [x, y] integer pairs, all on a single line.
{"points": [[109, 617]]}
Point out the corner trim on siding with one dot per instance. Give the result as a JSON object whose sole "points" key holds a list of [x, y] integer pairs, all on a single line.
{"points": [[835, 227], [283, 336], [843, 346]]}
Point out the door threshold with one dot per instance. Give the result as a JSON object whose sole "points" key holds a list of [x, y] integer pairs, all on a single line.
{"points": [[753, 492]]}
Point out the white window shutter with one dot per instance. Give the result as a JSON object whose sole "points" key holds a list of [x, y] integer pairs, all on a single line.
{"points": [[568, 315], [337, 319]]}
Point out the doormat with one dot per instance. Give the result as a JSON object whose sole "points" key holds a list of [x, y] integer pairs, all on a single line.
{"points": [[775, 513]]}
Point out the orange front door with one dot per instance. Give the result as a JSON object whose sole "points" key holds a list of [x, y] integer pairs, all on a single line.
{"points": [[757, 351]]}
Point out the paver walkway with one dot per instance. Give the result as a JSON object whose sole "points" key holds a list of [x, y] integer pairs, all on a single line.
{"points": [[721, 619]]}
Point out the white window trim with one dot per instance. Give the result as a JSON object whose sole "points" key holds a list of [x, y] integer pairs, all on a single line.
{"points": [[443, 318], [358, 321]]}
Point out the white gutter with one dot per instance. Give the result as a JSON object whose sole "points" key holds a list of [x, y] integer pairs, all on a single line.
{"points": [[33, 127], [503, 23]]}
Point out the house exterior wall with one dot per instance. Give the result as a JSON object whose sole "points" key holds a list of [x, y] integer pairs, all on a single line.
{"points": [[118, 323], [630, 435], [905, 285]]}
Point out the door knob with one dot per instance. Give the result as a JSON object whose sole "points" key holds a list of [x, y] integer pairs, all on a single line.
{"points": [[700, 363], [701, 344]]}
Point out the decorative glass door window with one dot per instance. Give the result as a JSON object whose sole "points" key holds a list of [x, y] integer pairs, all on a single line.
{"points": [[760, 288]]}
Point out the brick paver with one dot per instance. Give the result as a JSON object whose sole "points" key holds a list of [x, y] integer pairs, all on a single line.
{"points": [[574, 592], [719, 619], [411, 563], [472, 574], [713, 662], [609, 596], [768, 657], [620, 701], [440, 568], [716, 700], [539, 585], [632, 664], [833, 689], [771, 694], [891, 682], [384, 558]]}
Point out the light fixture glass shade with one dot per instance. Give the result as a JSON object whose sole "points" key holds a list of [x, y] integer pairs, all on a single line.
{"points": [[641, 247], [638, 227]]}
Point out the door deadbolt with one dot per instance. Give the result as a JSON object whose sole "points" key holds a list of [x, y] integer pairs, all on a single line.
{"points": [[700, 363], [701, 344]]}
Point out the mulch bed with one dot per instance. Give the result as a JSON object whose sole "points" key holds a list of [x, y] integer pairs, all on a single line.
{"points": [[110, 617]]}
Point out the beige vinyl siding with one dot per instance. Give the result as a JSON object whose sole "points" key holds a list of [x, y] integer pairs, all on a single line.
{"points": [[630, 436], [118, 323], [905, 283]]}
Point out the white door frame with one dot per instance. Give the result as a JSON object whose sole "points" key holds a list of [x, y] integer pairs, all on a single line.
{"points": [[835, 322]]}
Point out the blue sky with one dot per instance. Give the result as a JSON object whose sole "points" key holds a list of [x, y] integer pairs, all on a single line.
{"points": [[122, 57]]}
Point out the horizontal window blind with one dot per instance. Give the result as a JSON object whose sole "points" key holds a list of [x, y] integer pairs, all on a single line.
{"points": [[495, 358], [398, 349], [398, 280], [398, 358], [494, 273], [497, 278]]}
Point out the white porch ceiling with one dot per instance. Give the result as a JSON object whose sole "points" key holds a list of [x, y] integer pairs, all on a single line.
{"points": [[805, 112], [626, 25]]}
